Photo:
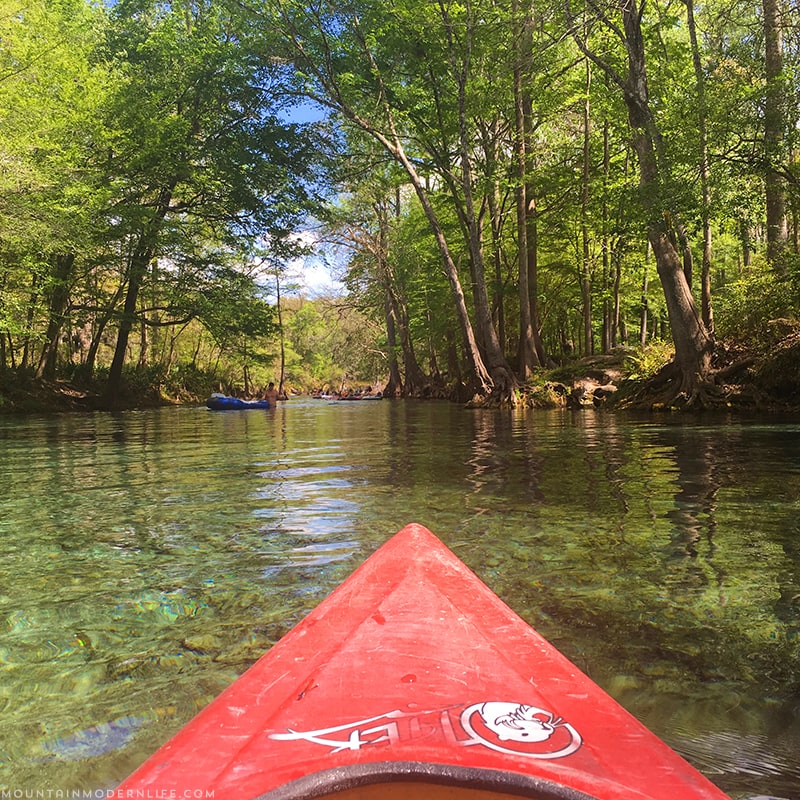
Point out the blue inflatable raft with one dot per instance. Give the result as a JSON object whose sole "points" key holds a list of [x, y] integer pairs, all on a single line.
{"points": [[221, 402]]}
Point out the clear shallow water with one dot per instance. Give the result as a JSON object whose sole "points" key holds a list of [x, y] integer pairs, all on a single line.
{"points": [[146, 559]]}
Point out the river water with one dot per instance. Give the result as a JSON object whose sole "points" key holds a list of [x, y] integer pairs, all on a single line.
{"points": [[147, 558]]}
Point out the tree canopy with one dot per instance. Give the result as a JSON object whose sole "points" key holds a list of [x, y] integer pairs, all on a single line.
{"points": [[507, 186]]}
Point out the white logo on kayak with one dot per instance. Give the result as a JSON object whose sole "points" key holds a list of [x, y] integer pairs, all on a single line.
{"points": [[357, 734], [512, 728], [520, 730]]}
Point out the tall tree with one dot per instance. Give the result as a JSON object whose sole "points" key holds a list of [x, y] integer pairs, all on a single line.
{"points": [[50, 92], [367, 225], [774, 125], [705, 168], [692, 340], [527, 352], [195, 146], [353, 59], [460, 23], [587, 269]]}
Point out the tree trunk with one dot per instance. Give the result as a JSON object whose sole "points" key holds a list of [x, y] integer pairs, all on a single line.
{"points": [[644, 305], [395, 312], [494, 200], [99, 329], [527, 357], [482, 379], [59, 299], [693, 344], [30, 314], [777, 232], [144, 345], [609, 327], [705, 177], [586, 266], [618, 332], [137, 270], [747, 249], [532, 237], [394, 386], [693, 348], [503, 379]]}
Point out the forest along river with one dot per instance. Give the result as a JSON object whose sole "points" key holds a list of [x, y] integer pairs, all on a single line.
{"points": [[147, 558]]}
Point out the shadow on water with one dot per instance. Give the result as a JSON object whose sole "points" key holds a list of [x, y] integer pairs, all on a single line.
{"points": [[148, 558]]}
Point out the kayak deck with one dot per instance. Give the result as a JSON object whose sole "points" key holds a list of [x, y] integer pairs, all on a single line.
{"points": [[412, 679]]}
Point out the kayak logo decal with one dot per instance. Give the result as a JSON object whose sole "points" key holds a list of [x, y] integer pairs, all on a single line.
{"points": [[512, 728], [520, 729], [357, 735]]}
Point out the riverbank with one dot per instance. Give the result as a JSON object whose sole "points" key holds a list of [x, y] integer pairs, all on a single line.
{"points": [[30, 396], [763, 379], [747, 379]]}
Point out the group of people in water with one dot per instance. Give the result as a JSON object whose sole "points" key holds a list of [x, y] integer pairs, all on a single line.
{"points": [[272, 395], [348, 394]]}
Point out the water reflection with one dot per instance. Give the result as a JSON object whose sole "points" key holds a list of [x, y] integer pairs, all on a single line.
{"points": [[147, 558]]}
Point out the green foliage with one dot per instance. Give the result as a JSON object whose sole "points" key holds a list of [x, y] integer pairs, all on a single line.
{"points": [[147, 130], [231, 308], [644, 363], [145, 141], [330, 343], [312, 349], [50, 92], [188, 380], [745, 307], [138, 380]]}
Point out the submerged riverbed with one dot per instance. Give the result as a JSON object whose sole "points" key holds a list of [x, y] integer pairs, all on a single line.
{"points": [[147, 558]]}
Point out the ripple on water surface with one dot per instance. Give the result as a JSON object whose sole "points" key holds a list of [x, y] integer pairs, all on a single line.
{"points": [[147, 559]]}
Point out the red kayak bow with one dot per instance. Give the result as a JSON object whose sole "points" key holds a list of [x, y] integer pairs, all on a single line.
{"points": [[414, 680]]}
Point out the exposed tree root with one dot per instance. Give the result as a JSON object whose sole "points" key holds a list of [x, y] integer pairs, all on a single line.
{"points": [[674, 390], [503, 394], [506, 386]]}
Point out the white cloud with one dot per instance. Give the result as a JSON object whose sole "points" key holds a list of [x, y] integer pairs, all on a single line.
{"points": [[316, 278], [315, 273]]}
